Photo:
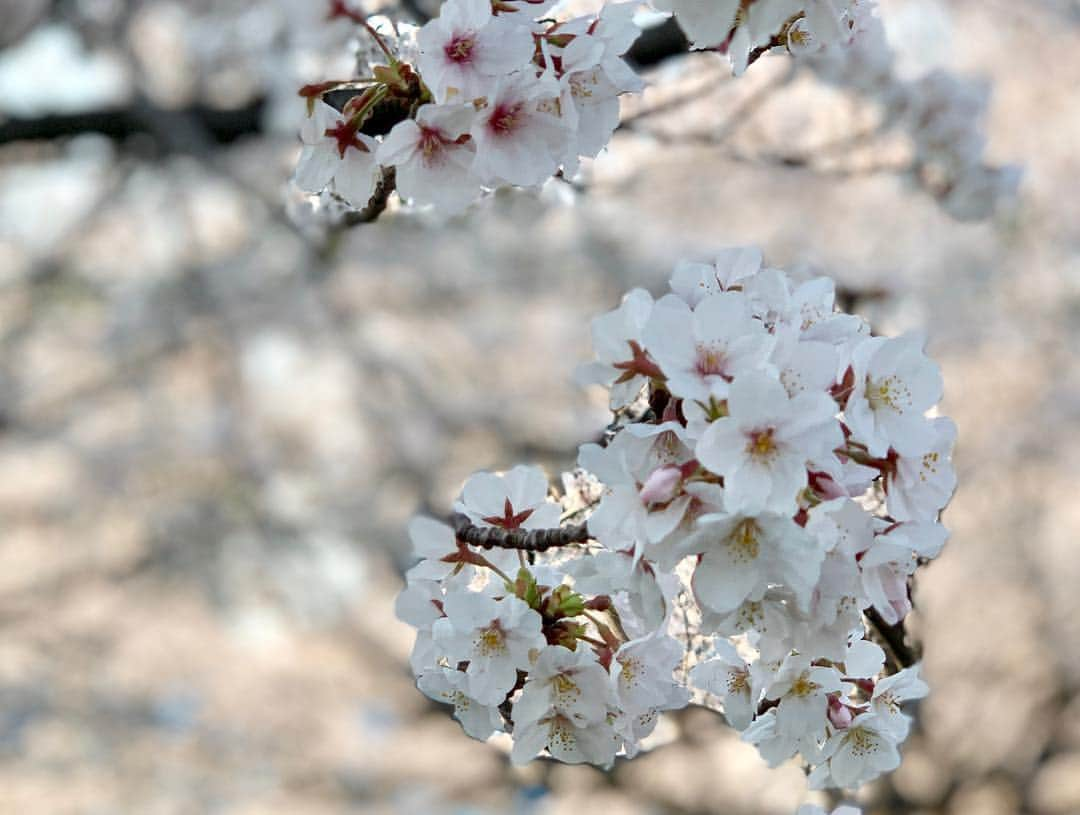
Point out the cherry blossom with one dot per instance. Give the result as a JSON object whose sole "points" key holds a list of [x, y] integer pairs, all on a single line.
{"points": [[889, 695], [745, 554], [762, 446], [335, 152], [621, 365], [569, 683], [728, 676], [446, 685], [859, 753], [895, 384], [496, 637], [516, 499], [771, 484], [519, 137], [466, 48], [920, 485], [433, 157], [703, 349]]}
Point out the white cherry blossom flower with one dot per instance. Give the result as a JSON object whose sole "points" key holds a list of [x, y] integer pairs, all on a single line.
{"points": [[335, 152], [433, 157], [891, 692], [420, 603], [805, 366], [921, 485], [447, 685], [727, 676], [569, 683], [774, 746], [496, 637], [862, 752], [844, 530], [802, 690], [693, 282], [519, 138], [767, 622], [895, 384], [636, 580], [892, 558], [642, 674], [703, 350], [643, 683], [746, 554], [762, 446], [517, 499], [466, 49], [621, 364], [616, 29], [594, 743]]}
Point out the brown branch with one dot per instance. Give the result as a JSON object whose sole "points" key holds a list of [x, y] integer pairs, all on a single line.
{"points": [[895, 638], [525, 540], [377, 203], [775, 41]]}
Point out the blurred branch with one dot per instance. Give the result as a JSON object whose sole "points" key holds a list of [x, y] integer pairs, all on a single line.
{"points": [[696, 94], [170, 129], [415, 10]]}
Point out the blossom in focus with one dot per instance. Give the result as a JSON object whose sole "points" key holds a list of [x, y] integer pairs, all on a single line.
{"points": [[335, 152], [755, 497], [496, 638], [762, 446], [466, 49], [433, 157]]}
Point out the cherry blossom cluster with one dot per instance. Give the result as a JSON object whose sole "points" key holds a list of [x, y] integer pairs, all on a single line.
{"points": [[746, 29], [485, 95], [770, 485], [941, 112]]}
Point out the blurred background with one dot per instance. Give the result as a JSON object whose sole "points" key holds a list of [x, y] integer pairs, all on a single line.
{"points": [[217, 411]]}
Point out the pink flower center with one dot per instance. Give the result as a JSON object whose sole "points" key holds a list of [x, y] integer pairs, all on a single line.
{"points": [[459, 49], [506, 118], [431, 144], [712, 361], [345, 136], [760, 444]]}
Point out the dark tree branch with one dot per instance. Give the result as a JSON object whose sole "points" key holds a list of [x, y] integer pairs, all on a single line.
{"points": [[220, 126], [377, 203], [526, 540], [895, 638], [656, 44]]}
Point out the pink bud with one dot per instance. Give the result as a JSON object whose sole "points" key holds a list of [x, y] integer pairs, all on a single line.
{"points": [[661, 486], [826, 487], [839, 713]]}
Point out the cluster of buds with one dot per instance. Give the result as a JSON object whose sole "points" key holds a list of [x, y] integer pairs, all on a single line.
{"points": [[747, 29], [745, 531], [483, 96]]}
